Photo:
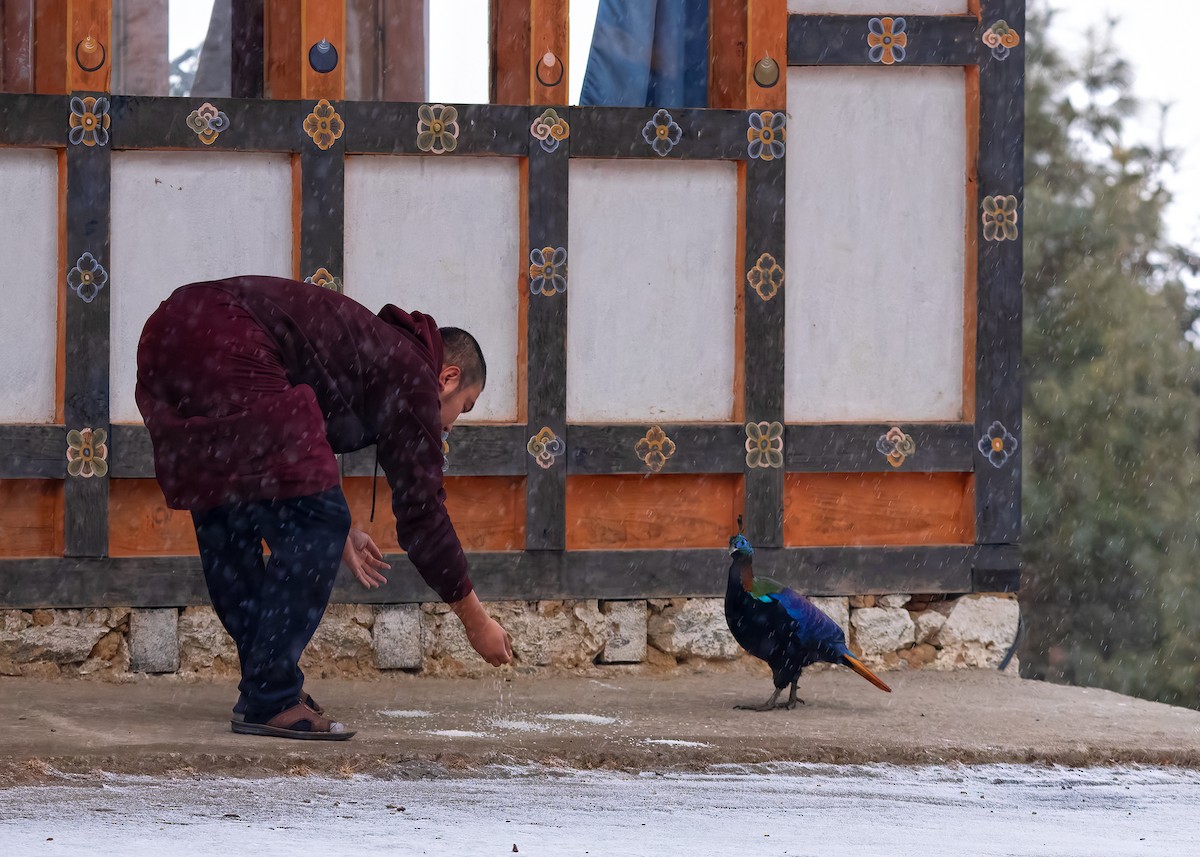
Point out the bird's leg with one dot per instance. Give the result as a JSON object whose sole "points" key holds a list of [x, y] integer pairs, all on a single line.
{"points": [[792, 699], [769, 705]]}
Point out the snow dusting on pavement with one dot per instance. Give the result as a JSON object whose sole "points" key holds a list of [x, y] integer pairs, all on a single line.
{"points": [[765, 810]]}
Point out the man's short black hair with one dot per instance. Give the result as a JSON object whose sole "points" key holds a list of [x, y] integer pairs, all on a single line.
{"points": [[460, 349]]}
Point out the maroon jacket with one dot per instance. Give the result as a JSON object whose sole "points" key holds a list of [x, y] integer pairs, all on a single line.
{"points": [[250, 385]]}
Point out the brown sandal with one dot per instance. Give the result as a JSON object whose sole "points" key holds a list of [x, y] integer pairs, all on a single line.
{"points": [[300, 722], [239, 710]]}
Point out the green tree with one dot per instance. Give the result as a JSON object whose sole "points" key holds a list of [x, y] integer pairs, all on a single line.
{"points": [[1112, 391]]}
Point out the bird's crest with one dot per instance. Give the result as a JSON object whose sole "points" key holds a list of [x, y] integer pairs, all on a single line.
{"points": [[739, 545]]}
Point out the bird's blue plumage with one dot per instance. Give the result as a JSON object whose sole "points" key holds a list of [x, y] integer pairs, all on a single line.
{"points": [[777, 624]]}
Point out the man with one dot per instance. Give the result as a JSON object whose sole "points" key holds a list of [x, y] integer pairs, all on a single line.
{"points": [[249, 386]]}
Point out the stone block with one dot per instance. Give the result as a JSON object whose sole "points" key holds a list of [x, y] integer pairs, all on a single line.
{"points": [[204, 644], [343, 633], [397, 638], [15, 620], [880, 630], [896, 600], [695, 628], [58, 644], [928, 624], [627, 632], [978, 632], [154, 640], [837, 609], [990, 620]]}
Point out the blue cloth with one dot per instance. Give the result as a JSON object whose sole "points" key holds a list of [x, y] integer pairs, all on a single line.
{"points": [[271, 609], [648, 53]]}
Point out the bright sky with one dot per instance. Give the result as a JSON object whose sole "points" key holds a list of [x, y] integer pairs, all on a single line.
{"points": [[1162, 54], [1152, 36]]}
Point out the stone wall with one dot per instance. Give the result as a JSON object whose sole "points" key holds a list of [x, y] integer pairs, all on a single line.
{"points": [[890, 632]]}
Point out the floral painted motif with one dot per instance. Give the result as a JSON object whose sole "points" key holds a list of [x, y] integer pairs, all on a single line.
{"points": [[445, 451], [1000, 218], [87, 454], [1001, 38], [655, 448], [766, 277], [437, 128], [887, 40], [998, 445], [896, 446], [766, 135], [324, 125], [662, 133], [208, 122], [764, 444], [548, 270], [550, 129], [89, 121], [87, 278], [321, 277], [545, 447]]}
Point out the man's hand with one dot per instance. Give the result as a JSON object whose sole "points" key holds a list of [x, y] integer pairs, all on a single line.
{"points": [[483, 632], [364, 559]]}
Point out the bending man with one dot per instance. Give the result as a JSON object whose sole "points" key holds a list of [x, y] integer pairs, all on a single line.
{"points": [[249, 386]]}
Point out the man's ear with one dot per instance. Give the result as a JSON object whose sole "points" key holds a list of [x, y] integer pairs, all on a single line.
{"points": [[449, 379]]}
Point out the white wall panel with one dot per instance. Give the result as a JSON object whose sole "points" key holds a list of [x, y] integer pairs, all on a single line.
{"points": [[652, 283], [32, 285], [876, 172], [442, 237], [182, 217], [882, 7]]}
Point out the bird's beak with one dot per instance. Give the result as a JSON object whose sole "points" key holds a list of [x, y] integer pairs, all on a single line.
{"points": [[861, 669]]}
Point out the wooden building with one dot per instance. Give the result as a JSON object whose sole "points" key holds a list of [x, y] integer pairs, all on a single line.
{"points": [[800, 304]]}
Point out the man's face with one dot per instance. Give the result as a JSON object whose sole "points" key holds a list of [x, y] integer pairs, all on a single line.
{"points": [[456, 399]]}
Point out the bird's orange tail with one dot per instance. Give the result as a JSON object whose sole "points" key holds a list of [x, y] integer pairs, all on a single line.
{"points": [[861, 669]]}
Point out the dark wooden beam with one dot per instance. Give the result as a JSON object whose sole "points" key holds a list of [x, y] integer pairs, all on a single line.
{"points": [[534, 575], [842, 40], [546, 349], [598, 449], [616, 132], [86, 381], [33, 120], [763, 350], [323, 214], [391, 128], [254, 125], [830, 448], [1001, 174], [32, 452]]}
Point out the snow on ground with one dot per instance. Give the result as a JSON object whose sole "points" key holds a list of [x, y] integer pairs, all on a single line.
{"points": [[766, 810]]}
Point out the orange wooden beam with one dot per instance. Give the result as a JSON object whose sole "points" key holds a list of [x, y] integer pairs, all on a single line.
{"points": [[766, 54], [49, 46], [549, 49], [877, 509], [667, 510], [89, 45], [282, 37], [727, 54], [322, 21], [509, 52]]}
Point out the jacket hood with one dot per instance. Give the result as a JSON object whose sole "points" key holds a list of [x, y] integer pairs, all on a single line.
{"points": [[421, 328]]}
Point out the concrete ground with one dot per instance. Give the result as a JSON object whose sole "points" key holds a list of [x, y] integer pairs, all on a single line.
{"points": [[412, 726]]}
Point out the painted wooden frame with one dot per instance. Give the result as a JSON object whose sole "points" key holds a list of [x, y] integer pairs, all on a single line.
{"points": [[87, 125]]}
